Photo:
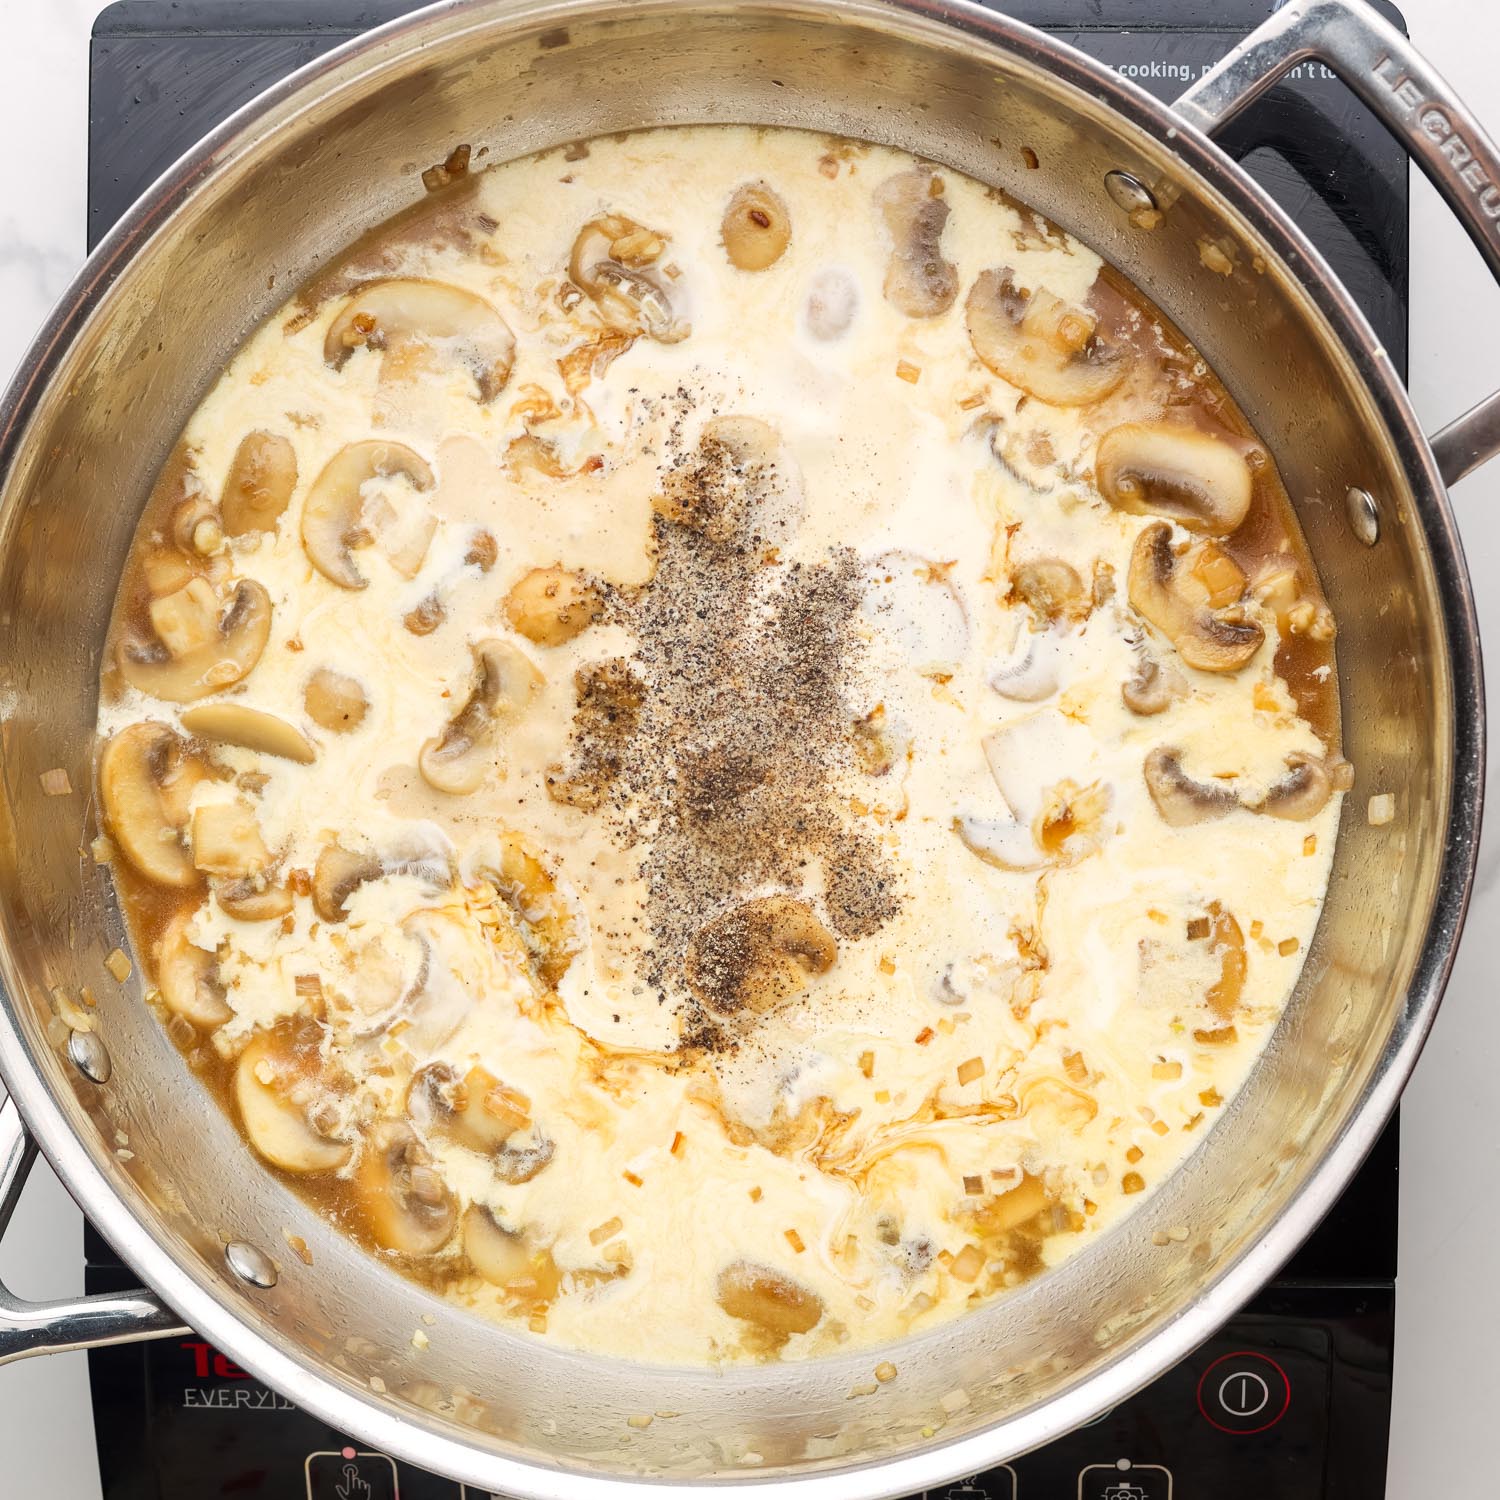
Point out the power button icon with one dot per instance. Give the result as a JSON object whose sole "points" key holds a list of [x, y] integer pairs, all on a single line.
{"points": [[1244, 1393]]}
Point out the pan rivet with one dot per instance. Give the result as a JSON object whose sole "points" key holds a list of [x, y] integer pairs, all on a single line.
{"points": [[1129, 193], [89, 1055], [249, 1264], [1364, 516]]}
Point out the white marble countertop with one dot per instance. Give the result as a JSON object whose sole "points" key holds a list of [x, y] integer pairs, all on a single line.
{"points": [[1448, 1303]]}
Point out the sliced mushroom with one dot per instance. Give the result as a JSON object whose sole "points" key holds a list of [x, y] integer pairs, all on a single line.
{"points": [[227, 841], [546, 921], [1153, 688], [1030, 675], [251, 728], [1047, 347], [757, 228], [337, 874], [146, 776], [1003, 843], [1179, 799], [403, 538], [165, 570], [1304, 790], [518, 1164], [188, 976], [616, 264], [918, 280], [832, 301], [197, 650], [426, 615], [1167, 596], [333, 522], [776, 1305], [253, 898], [259, 485], [394, 316], [509, 1260], [755, 956], [917, 608], [196, 526], [406, 1204], [335, 702], [1050, 588], [532, 454], [550, 606], [504, 683], [476, 1110], [277, 1083], [1169, 469]]}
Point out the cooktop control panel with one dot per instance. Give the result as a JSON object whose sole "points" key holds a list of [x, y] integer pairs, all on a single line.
{"points": [[1291, 1399], [1284, 1396]]}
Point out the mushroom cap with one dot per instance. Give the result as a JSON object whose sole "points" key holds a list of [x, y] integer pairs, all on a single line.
{"points": [[917, 608], [1301, 793], [831, 304], [614, 263], [757, 955], [251, 728], [407, 310], [333, 514], [258, 487], [1002, 843], [146, 775], [188, 976], [1030, 675], [235, 643], [252, 899], [406, 1204], [1152, 689], [1050, 588], [1208, 639], [337, 874], [543, 914], [334, 701], [918, 280], [774, 1303], [1179, 799], [518, 1164], [756, 228], [1169, 469], [1045, 347], [550, 606], [277, 1065], [508, 1259], [475, 1110], [505, 681]]}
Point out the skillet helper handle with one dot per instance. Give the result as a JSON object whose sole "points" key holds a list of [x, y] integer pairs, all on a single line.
{"points": [[1418, 107], [79, 1323]]}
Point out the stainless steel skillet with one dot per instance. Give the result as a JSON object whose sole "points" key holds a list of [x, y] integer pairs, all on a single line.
{"points": [[215, 246]]}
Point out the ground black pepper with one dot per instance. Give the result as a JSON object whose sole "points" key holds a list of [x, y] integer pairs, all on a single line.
{"points": [[721, 745]]}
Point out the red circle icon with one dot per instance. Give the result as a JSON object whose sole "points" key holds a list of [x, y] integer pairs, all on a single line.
{"points": [[1244, 1393]]}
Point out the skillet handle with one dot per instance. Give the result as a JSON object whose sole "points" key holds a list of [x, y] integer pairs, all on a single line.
{"points": [[1418, 107], [80, 1323]]}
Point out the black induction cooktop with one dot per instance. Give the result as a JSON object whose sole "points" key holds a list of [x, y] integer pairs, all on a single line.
{"points": [[1291, 1400]]}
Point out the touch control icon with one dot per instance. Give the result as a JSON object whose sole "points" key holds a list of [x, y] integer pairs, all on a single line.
{"points": [[1124, 1480], [1244, 1393], [349, 1474]]}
